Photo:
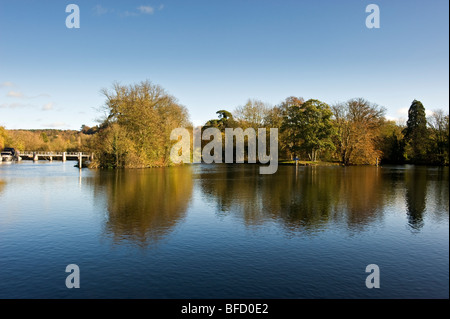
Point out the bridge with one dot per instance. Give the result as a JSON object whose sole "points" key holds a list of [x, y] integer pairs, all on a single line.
{"points": [[50, 156]]}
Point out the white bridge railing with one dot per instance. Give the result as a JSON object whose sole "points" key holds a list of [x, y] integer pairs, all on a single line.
{"points": [[41, 153], [64, 156]]}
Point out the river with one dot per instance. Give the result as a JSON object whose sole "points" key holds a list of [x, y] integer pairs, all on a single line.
{"points": [[223, 231]]}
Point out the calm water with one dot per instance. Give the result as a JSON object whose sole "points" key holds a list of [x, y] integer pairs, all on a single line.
{"points": [[223, 231]]}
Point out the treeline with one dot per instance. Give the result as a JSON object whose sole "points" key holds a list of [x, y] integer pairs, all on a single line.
{"points": [[355, 132], [46, 140], [138, 119]]}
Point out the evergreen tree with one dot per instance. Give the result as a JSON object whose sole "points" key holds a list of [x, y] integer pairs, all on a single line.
{"points": [[416, 133]]}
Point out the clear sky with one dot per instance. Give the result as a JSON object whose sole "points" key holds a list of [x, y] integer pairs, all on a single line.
{"points": [[214, 55]]}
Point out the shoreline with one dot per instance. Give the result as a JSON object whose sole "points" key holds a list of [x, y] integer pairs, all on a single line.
{"points": [[309, 163]]}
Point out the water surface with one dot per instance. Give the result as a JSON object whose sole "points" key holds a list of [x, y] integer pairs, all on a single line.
{"points": [[223, 231]]}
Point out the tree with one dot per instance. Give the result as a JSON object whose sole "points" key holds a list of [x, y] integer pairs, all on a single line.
{"points": [[357, 122], [291, 139], [311, 126], [225, 119], [89, 130], [416, 133], [274, 119], [224, 115], [49, 140], [252, 114], [137, 126], [117, 149], [391, 142], [439, 137]]}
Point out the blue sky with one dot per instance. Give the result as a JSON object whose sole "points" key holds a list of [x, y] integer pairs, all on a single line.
{"points": [[215, 55]]}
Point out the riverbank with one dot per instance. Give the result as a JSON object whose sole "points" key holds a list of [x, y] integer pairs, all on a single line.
{"points": [[309, 163]]}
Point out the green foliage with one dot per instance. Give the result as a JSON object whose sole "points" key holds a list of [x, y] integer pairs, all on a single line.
{"points": [[416, 133], [44, 137], [139, 119], [310, 125], [353, 133], [224, 115], [89, 130], [439, 138], [225, 120], [290, 138], [391, 142]]}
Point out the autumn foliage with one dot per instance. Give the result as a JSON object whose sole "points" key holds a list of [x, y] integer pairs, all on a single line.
{"points": [[138, 120]]}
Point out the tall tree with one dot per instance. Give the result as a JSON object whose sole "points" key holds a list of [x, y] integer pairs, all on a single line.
{"points": [[136, 129], [358, 122], [290, 108], [416, 133], [311, 126]]}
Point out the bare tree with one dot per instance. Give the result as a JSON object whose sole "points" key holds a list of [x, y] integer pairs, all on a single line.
{"points": [[252, 114]]}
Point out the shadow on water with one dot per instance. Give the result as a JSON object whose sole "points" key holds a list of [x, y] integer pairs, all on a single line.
{"points": [[143, 206]]}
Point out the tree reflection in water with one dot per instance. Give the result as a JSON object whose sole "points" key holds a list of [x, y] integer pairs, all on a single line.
{"points": [[144, 205], [416, 192], [2, 185], [308, 199]]}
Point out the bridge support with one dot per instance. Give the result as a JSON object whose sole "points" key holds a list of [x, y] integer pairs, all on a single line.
{"points": [[1, 158], [35, 157], [80, 160], [64, 156], [50, 159]]}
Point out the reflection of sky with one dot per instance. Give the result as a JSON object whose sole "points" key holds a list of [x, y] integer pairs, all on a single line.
{"points": [[41, 199]]}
